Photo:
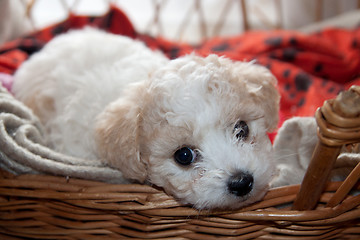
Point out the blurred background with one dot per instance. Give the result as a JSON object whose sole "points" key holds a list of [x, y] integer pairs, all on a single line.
{"points": [[185, 20]]}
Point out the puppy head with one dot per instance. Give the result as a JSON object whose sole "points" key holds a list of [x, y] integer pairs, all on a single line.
{"points": [[197, 129]]}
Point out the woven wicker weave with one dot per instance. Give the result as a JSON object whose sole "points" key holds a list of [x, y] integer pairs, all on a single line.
{"points": [[46, 207], [49, 207]]}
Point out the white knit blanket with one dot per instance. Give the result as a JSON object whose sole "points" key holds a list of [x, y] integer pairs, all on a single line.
{"points": [[22, 148]]}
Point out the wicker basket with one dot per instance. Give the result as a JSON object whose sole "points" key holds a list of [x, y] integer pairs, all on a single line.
{"points": [[49, 207]]}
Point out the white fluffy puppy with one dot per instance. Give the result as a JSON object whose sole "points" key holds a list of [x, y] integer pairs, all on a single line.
{"points": [[195, 126]]}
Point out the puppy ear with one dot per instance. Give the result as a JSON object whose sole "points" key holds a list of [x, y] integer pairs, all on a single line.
{"points": [[261, 84], [116, 133]]}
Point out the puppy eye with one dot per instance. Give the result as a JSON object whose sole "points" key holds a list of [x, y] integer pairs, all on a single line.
{"points": [[241, 130], [185, 156]]}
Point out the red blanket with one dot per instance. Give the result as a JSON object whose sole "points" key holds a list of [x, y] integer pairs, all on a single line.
{"points": [[309, 68]]}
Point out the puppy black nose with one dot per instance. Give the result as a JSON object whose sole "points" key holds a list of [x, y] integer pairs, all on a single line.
{"points": [[240, 184]]}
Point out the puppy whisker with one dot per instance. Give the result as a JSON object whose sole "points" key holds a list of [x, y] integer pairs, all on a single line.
{"points": [[287, 156]]}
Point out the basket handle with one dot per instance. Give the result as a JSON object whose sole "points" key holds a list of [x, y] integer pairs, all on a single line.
{"points": [[338, 124]]}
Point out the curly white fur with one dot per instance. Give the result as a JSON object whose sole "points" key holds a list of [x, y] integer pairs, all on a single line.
{"points": [[109, 97]]}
